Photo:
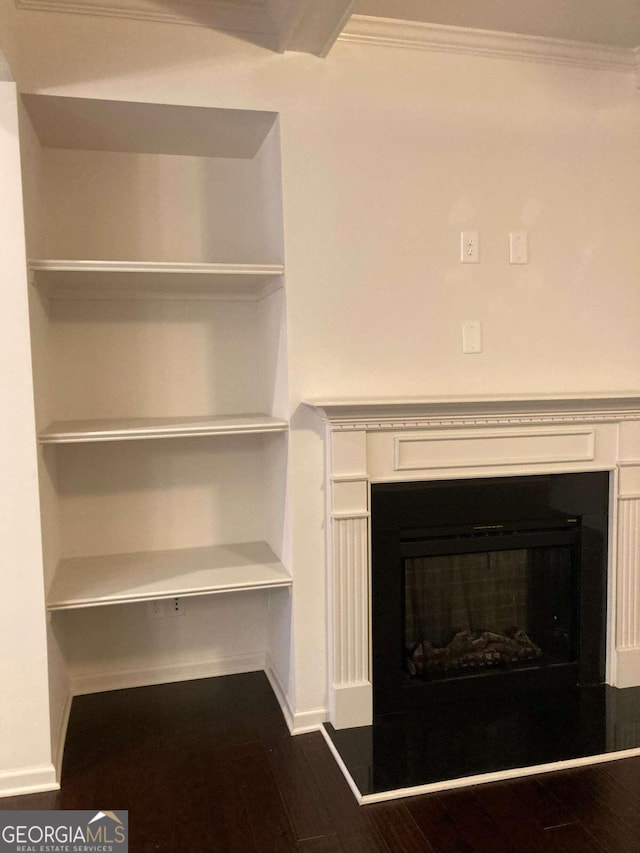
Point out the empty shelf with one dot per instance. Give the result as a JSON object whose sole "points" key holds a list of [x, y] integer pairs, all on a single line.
{"points": [[96, 279], [143, 576], [81, 432]]}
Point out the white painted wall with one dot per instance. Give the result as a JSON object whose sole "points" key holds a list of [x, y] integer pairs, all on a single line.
{"points": [[386, 155], [25, 751]]}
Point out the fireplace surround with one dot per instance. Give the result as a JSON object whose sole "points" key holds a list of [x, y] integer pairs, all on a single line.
{"points": [[370, 443], [485, 586]]}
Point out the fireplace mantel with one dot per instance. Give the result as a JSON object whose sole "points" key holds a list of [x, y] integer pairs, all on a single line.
{"points": [[385, 412], [427, 438]]}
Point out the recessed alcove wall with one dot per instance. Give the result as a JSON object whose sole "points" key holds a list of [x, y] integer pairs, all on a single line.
{"points": [[156, 358]]}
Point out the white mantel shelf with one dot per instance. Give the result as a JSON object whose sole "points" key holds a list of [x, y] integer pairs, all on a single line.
{"points": [[386, 412]]}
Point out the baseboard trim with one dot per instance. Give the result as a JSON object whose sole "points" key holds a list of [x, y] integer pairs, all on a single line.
{"points": [[280, 694], [28, 780], [627, 667], [309, 721], [61, 736], [298, 722], [123, 679]]}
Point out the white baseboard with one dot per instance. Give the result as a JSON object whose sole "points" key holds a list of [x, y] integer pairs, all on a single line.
{"points": [[309, 721], [28, 780], [36, 780], [298, 722], [280, 694], [627, 668], [61, 735], [122, 679]]}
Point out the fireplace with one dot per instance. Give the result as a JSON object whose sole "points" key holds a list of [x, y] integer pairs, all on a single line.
{"points": [[562, 548], [487, 586]]}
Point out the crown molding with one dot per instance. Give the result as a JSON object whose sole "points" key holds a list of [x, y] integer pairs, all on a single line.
{"points": [[364, 29], [303, 26]]}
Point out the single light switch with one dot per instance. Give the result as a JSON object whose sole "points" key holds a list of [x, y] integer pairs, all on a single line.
{"points": [[472, 336], [518, 247]]}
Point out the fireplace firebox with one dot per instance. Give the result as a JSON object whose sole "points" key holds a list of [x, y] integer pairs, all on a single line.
{"points": [[487, 587]]}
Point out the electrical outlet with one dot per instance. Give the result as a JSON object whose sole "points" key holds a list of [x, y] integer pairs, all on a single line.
{"points": [[176, 607], [155, 609]]}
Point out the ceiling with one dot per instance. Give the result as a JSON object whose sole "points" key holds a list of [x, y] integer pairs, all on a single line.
{"points": [[312, 26]]}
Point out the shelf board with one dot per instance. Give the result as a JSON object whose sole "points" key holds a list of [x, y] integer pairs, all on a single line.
{"points": [[144, 576], [127, 429], [95, 124], [97, 279]]}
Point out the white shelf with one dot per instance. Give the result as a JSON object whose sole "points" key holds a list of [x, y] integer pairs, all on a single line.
{"points": [[144, 576], [98, 279], [126, 429]]}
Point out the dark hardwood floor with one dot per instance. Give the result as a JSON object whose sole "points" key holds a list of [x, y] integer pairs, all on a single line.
{"points": [[210, 766]]}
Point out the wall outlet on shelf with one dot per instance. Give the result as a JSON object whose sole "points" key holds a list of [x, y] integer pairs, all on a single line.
{"points": [[176, 607]]}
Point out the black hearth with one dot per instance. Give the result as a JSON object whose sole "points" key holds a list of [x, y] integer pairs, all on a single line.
{"points": [[487, 588]]}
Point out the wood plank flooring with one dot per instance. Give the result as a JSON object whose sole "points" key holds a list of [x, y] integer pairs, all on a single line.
{"points": [[210, 766]]}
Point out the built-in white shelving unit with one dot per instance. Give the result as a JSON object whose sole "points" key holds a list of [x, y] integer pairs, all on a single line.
{"points": [[158, 312]]}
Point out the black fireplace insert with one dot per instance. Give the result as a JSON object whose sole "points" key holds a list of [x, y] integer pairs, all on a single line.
{"points": [[489, 586]]}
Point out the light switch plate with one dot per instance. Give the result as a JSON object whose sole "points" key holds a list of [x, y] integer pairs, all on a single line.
{"points": [[518, 247], [472, 336]]}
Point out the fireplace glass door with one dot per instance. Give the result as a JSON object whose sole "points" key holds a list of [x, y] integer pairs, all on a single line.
{"points": [[483, 610]]}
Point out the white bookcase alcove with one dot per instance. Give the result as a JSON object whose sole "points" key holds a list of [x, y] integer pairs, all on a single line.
{"points": [[157, 310]]}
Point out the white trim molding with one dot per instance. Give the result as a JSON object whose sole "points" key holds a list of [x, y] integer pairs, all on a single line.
{"points": [[420, 439], [387, 32], [61, 734], [298, 722], [122, 679], [28, 780]]}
